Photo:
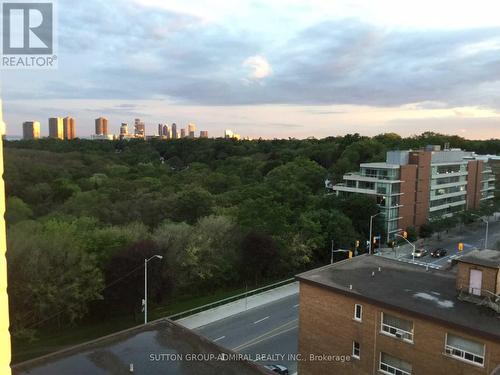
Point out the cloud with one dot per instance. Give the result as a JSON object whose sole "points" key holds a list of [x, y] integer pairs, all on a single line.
{"points": [[156, 51], [258, 67]]}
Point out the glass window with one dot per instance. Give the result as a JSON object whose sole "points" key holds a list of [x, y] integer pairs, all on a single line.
{"points": [[358, 312], [355, 350], [464, 349], [393, 365], [397, 327]]}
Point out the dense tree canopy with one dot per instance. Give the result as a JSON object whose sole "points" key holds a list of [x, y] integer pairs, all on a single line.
{"points": [[82, 214]]}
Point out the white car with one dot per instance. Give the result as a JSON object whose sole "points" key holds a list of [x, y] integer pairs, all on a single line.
{"points": [[419, 253]]}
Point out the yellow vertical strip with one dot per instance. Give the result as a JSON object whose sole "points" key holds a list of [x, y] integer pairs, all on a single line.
{"points": [[5, 349]]}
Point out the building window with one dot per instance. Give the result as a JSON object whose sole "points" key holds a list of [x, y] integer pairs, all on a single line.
{"points": [[397, 327], [464, 349], [358, 312], [394, 366], [355, 350]]}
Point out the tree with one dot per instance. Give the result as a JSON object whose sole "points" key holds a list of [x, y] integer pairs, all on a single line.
{"points": [[124, 273], [17, 210], [259, 256], [192, 204], [50, 274], [426, 230]]}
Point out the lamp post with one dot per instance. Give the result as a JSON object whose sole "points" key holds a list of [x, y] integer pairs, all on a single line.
{"points": [[371, 234], [412, 245], [487, 225], [146, 286]]}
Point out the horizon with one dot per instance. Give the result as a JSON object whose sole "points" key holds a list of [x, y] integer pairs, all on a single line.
{"points": [[287, 69]]}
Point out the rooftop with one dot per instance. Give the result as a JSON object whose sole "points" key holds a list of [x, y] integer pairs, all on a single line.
{"points": [[488, 258], [428, 294], [146, 348]]}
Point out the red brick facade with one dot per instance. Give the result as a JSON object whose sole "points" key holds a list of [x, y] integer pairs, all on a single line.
{"points": [[327, 326]]}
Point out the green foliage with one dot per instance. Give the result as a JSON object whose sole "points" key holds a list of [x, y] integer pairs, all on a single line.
{"points": [[426, 230], [219, 211], [49, 273], [17, 211]]}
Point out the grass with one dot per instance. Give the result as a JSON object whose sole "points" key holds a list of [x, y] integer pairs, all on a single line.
{"points": [[50, 340]]}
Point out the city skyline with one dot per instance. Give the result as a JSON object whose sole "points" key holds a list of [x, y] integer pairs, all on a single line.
{"points": [[273, 70]]}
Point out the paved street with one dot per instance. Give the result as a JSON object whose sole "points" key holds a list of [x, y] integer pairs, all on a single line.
{"points": [[471, 236], [272, 328], [267, 330]]}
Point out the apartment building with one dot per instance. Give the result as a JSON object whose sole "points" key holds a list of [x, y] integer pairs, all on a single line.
{"points": [[69, 128], [56, 129], [374, 315], [413, 187], [31, 130]]}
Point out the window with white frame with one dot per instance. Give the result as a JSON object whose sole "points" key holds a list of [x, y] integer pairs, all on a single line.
{"points": [[358, 312], [464, 349], [394, 366], [356, 350], [397, 327]]}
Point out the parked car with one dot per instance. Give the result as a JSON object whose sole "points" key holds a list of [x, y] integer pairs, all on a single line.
{"points": [[438, 253], [279, 369], [419, 253]]}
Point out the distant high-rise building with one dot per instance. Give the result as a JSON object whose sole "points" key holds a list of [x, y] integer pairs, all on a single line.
{"points": [[183, 133], [160, 130], [31, 130], [101, 126], [175, 135], [69, 128], [228, 133], [123, 130], [166, 131], [139, 128], [203, 134], [56, 128], [191, 129]]}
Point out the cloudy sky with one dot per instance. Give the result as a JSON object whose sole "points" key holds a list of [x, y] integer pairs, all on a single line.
{"points": [[293, 68]]}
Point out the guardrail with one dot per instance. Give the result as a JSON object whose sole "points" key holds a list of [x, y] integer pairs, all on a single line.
{"points": [[236, 297]]}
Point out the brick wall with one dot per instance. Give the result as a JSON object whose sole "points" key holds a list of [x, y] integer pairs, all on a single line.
{"points": [[474, 177], [407, 199], [490, 280], [326, 326]]}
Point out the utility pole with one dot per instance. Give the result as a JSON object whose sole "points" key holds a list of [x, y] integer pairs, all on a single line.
{"points": [[331, 257]]}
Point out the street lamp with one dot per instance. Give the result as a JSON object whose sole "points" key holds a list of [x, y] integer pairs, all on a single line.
{"points": [[371, 230], [412, 245], [487, 225], [146, 285]]}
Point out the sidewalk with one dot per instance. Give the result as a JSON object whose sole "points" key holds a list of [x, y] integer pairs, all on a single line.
{"points": [[236, 307]]}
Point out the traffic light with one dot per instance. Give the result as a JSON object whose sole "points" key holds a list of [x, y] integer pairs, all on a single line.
{"points": [[405, 235], [357, 243], [350, 254], [460, 246]]}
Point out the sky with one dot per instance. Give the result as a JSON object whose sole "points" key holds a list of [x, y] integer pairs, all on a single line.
{"points": [[271, 69]]}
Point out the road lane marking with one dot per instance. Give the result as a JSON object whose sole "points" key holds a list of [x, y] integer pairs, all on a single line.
{"points": [[264, 338], [261, 320], [297, 305], [219, 338], [248, 343]]}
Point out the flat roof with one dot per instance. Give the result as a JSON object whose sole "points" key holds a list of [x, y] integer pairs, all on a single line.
{"points": [[429, 294], [488, 258], [160, 347]]}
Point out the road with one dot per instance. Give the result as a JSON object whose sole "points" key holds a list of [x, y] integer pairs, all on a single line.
{"points": [[273, 328], [472, 237], [270, 331]]}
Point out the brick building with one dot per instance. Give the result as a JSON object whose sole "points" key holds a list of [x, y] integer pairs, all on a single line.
{"points": [[375, 315], [414, 186]]}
